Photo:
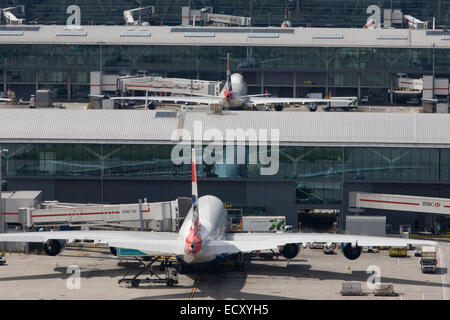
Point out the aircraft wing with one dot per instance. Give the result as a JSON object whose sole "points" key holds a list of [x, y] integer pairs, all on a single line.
{"points": [[171, 99], [158, 243], [271, 100], [218, 247], [259, 241]]}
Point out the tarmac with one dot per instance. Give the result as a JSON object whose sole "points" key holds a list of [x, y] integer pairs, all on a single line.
{"points": [[92, 273], [360, 108]]}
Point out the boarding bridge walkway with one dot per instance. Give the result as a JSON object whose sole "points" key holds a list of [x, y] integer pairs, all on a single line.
{"points": [[397, 202], [158, 216], [101, 83]]}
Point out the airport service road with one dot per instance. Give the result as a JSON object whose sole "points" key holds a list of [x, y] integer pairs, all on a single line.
{"points": [[312, 275]]}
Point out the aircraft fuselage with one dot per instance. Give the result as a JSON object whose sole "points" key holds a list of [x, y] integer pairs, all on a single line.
{"points": [[234, 99], [213, 222]]}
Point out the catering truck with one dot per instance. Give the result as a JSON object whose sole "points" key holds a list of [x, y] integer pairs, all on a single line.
{"points": [[428, 260], [263, 224]]}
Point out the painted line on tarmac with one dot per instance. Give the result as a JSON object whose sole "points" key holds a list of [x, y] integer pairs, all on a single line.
{"points": [[444, 285], [194, 290]]}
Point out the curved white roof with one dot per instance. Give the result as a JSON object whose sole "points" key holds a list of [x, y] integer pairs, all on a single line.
{"points": [[210, 36], [295, 128]]}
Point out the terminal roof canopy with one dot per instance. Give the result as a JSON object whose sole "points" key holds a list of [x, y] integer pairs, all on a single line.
{"points": [[279, 37], [295, 128]]}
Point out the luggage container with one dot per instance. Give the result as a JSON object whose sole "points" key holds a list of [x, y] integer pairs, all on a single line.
{"points": [[398, 252], [351, 288]]}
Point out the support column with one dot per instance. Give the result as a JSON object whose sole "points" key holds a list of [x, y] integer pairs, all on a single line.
{"points": [[341, 223], [262, 82], [5, 87], [438, 11], [326, 84], [391, 92], [359, 85], [37, 80], [295, 85], [69, 85]]}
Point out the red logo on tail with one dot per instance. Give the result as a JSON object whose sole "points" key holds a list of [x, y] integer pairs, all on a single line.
{"points": [[193, 242]]}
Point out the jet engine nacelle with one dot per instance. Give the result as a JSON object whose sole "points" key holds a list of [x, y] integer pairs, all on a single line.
{"points": [[290, 251], [113, 251], [351, 253], [279, 107], [312, 106], [54, 247]]}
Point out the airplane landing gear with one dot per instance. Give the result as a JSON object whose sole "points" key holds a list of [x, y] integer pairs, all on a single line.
{"points": [[239, 264]]}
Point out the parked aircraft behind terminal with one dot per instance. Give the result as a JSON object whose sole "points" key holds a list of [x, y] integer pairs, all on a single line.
{"points": [[234, 95], [203, 237]]}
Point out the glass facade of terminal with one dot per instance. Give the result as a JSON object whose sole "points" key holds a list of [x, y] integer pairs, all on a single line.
{"points": [[348, 13], [284, 72], [67, 67], [318, 173], [204, 58]]}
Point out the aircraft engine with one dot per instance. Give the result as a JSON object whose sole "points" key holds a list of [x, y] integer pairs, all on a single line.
{"points": [[312, 106], [151, 106], [351, 253], [290, 250], [113, 251], [54, 247], [279, 107]]}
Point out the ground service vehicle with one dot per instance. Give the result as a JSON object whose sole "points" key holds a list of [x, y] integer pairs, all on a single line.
{"points": [[398, 252], [263, 224], [428, 260]]}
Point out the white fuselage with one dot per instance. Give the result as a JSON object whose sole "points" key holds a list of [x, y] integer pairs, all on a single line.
{"points": [[239, 87], [213, 222]]}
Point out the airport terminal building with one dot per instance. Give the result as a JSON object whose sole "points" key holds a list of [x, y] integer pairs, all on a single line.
{"points": [[325, 51], [119, 156], [112, 156], [320, 13]]}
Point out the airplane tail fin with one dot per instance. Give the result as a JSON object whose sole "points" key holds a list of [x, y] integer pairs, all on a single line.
{"points": [[195, 216], [146, 99], [229, 73], [370, 24]]}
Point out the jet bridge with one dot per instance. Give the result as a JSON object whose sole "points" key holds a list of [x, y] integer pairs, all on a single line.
{"points": [[169, 85], [7, 17], [129, 19], [414, 23], [101, 83], [158, 216], [397, 202], [209, 18]]}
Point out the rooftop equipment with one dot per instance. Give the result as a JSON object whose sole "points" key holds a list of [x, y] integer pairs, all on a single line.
{"points": [[414, 23], [43, 99], [205, 17], [6, 17], [129, 19]]}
